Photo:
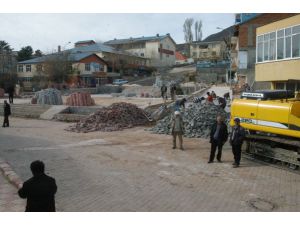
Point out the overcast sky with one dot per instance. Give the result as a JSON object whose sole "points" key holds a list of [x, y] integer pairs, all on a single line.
{"points": [[47, 31]]}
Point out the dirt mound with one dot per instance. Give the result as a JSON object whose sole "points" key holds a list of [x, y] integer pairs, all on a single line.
{"points": [[116, 117]]}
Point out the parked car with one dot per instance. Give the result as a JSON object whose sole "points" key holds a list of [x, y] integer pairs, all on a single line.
{"points": [[120, 81]]}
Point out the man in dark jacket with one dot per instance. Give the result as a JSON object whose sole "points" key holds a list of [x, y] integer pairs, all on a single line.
{"points": [[163, 91], [39, 190], [218, 137], [222, 102], [7, 113], [236, 140], [11, 91], [173, 91]]}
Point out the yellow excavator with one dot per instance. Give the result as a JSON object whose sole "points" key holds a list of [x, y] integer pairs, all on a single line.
{"points": [[272, 119]]}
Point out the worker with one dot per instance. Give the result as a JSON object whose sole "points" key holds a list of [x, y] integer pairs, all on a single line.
{"points": [[177, 127], [164, 90], [173, 91], [218, 137], [222, 102], [180, 103], [236, 140], [198, 100], [7, 113], [11, 91], [213, 95], [209, 97]]}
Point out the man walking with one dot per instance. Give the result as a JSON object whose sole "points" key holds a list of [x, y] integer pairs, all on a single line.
{"points": [[218, 137], [7, 113], [163, 91], [236, 140], [173, 91], [177, 127], [11, 91], [39, 190]]}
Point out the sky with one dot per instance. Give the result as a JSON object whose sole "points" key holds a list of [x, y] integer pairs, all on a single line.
{"points": [[47, 31]]}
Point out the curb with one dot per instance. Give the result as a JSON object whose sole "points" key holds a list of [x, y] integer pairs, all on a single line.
{"points": [[8, 172]]}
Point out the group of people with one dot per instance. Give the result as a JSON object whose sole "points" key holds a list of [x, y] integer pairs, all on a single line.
{"points": [[164, 92], [211, 96], [218, 137]]}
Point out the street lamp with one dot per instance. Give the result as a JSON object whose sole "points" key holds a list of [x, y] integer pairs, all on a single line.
{"points": [[229, 52], [64, 47]]}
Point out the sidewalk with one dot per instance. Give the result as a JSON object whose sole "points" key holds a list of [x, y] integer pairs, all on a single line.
{"points": [[9, 199]]}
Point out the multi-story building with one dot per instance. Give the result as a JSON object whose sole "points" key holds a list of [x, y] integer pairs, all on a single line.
{"points": [[246, 46], [86, 69], [278, 54], [159, 49]]}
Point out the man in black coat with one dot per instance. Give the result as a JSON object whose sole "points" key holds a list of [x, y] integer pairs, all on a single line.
{"points": [[236, 140], [7, 113], [39, 190], [11, 91], [218, 137]]}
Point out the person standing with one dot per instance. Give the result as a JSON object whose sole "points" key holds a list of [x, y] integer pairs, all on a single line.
{"points": [[163, 91], [218, 137], [7, 113], [177, 127], [173, 91], [39, 190], [11, 91], [236, 140], [222, 102]]}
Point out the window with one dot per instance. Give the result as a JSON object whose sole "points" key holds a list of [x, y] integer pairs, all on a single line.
{"points": [[28, 68], [27, 79], [266, 46], [20, 68], [291, 86], [279, 86], [296, 41], [87, 67], [288, 42], [142, 54], [260, 45], [39, 67], [283, 44]]}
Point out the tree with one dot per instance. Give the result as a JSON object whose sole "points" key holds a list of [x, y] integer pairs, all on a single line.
{"points": [[25, 53], [198, 30], [187, 30], [38, 53], [5, 47]]}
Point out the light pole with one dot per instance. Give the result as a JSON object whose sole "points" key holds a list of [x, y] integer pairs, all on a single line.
{"points": [[64, 47], [229, 52]]}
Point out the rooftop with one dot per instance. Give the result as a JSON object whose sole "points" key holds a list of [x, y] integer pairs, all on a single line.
{"points": [[138, 39]]}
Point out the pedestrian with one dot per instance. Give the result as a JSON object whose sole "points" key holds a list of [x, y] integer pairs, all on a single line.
{"points": [[7, 113], [11, 91], [164, 90], [236, 140], [213, 95], [218, 137], [173, 91], [222, 102], [39, 190], [177, 127], [209, 97]]}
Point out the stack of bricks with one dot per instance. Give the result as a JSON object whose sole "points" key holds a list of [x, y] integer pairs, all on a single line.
{"points": [[80, 99]]}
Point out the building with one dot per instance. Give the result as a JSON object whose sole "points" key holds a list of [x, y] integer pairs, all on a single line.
{"points": [[246, 45], [180, 58], [119, 61], [86, 69], [160, 50], [84, 43], [243, 17], [278, 54]]}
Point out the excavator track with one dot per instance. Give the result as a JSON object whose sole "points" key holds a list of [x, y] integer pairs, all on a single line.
{"points": [[282, 151]]}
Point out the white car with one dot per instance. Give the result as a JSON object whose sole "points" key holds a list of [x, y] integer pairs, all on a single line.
{"points": [[120, 81]]}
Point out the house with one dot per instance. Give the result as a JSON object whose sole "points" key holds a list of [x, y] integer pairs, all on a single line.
{"points": [[86, 69], [180, 58], [246, 46], [119, 61], [159, 49], [278, 54]]}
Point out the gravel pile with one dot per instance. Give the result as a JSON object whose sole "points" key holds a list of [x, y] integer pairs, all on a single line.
{"points": [[116, 117], [48, 96], [198, 119]]}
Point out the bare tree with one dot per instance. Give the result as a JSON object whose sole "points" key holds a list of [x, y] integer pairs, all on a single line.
{"points": [[198, 30], [187, 30]]}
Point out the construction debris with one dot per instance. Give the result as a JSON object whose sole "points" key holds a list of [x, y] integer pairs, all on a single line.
{"points": [[197, 118], [48, 96], [116, 117], [80, 99]]}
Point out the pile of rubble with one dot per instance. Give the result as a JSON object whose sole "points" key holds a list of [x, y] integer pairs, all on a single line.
{"points": [[48, 96], [80, 99], [116, 117], [197, 118]]}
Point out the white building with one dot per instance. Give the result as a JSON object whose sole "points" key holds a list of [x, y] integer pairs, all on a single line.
{"points": [[160, 50]]}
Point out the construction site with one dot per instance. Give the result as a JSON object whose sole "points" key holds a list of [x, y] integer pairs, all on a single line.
{"points": [[117, 148]]}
